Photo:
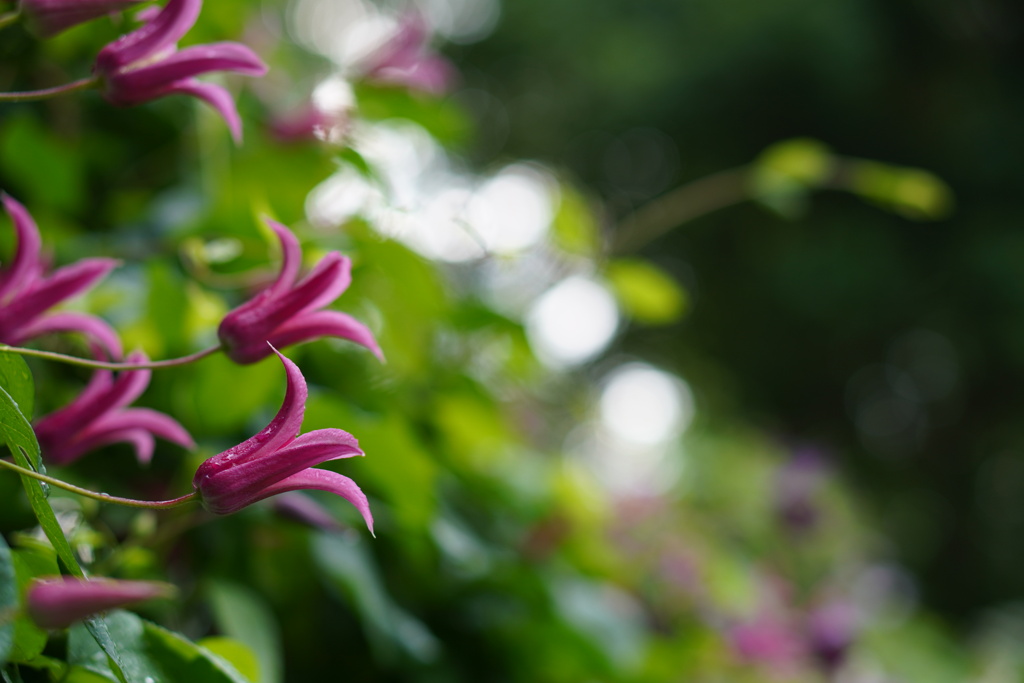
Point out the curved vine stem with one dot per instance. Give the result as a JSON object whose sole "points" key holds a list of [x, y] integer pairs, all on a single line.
{"points": [[105, 365], [9, 18], [47, 93], [95, 495]]}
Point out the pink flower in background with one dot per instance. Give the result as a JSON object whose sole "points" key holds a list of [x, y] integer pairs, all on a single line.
{"points": [[146, 64], [59, 601], [831, 630], [26, 294], [406, 59], [798, 490], [49, 17], [99, 417], [309, 123], [276, 460], [287, 312]]}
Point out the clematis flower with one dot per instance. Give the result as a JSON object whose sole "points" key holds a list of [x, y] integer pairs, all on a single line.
{"points": [[276, 460], [145, 64], [798, 490], [287, 313], [98, 417], [59, 601], [406, 59], [26, 293], [47, 18]]}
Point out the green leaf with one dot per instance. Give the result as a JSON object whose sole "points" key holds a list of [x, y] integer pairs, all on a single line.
{"points": [[8, 601], [575, 227], [21, 440], [16, 378], [151, 654], [47, 169], [910, 192], [244, 616], [647, 293], [349, 568], [236, 653]]}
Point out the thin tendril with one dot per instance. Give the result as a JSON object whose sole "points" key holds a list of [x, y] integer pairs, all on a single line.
{"points": [[47, 93], [104, 497], [9, 18], [104, 365]]}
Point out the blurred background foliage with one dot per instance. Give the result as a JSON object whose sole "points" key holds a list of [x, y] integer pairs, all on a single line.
{"points": [[696, 369]]}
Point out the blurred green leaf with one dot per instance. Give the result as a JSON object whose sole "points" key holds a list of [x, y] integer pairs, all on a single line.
{"points": [[29, 563], [911, 192], [235, 653], [348, 566], [575, 227], [647, 293], [785, 172], [243, 616], [8, 601], [48, 170]]}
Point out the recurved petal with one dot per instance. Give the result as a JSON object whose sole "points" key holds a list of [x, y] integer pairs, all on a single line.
{"points": [[130, 384], [161, 32], [63, 284], [146, 419], [58, 431], [324, 480], [25, 263], [281, 430], [141, 441], [316, 324], [102, 337], [291, 257], [217, 97]]}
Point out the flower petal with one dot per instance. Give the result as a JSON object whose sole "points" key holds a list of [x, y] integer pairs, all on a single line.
{"points": [[191, 61], [25, 265], [58, 602], [163, 31], [50, 17], [63, 284], [316, 324], [281, 430], [291, 257], [152, 421], [324, 480], [102, 335], [217, 97]]}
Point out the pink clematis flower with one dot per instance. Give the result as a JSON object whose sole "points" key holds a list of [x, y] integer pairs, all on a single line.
{"points": [[287, 313], [59, 601], [406, 59], [26, 293], [276, 460], [145, 64], [47, 18], [98, 417]]}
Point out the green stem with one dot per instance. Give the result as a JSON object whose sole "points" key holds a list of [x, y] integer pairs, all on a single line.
{"points": [[47, 93], [104, 365], [681, 205], [103, 497], [9, 18]]}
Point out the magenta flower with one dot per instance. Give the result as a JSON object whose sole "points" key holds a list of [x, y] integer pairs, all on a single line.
{"points": [[26, 293], [276, 460], [287, 313], [145, 64], [59, 601], [407, 60], [98, 417], [49, 17]]}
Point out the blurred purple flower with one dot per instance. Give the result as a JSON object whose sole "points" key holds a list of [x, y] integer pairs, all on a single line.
{"points": [[308, 123], [766, 639], [146, 64], [276, 460], [26, 293], [796, 490], [59, 601], [286, 313], [49, 17], [406, 59], [831, 629], [98, 417]]}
